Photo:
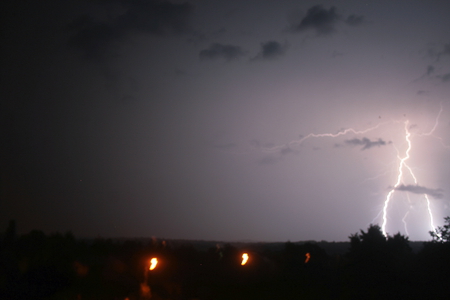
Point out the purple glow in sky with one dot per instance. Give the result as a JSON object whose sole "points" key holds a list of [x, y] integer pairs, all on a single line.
{"points": [[225, 120]]}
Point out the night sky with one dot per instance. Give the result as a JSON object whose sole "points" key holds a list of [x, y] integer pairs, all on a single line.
{"points": [[263, 120]]}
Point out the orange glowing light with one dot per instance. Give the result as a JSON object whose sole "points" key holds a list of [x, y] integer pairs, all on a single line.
{"points": [[244, 259], [153, 263], [308, 256]]}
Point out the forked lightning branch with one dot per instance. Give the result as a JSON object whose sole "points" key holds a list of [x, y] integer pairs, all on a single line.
{"points": [[402, 169]]}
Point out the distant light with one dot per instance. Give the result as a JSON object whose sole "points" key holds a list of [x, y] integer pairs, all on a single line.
{"points": [[244, 259], [308, 256], [153, 263]]}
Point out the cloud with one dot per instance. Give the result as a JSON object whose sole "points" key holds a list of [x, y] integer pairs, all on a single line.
{"points": [[445, 51], [94, 35], [257, 144], [417, 189], [445, 77], [216, 51], [321, 20], [286, 150], [423, 93], [366, 143], [271, 50], [276, 156], [354, 20], [156, 17], [436, 52], [412, 126]]}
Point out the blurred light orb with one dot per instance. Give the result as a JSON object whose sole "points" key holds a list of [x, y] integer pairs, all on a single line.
{"points": [[244, 259], [153, 263]]}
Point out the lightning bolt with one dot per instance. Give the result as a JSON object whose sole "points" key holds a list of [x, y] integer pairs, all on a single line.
{"points": [[402, 167], [404, 222], [427, 199], [319, 135], [402, 164]]}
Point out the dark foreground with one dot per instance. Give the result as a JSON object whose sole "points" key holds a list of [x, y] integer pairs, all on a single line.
{"points": [[38, 266]]}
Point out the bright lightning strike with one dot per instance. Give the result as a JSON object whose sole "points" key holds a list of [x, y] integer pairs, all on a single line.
{"points": [[402, 168], [404, 222], [399, 178], [402, 164]]}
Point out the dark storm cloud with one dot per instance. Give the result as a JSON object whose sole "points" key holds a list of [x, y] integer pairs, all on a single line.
{"points": [[366, 143], [445, 77], [321, 20], [423, 93], [271, 50], [412, 126], [444, 51], [217, 51], [156, 17], [276, 156], [417, 189], [324, 21], [286, 151], [432, 71], [94, 36], [257, 144], [354, 20], [436, 52]]}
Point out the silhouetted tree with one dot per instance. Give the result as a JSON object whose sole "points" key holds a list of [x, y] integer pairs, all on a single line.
{"points": [[434, 263], [377, 262], [373, 243], [9, 267], [442, 233]]}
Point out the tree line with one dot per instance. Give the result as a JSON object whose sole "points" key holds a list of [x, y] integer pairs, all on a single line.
{"points": [[59, 266]]}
